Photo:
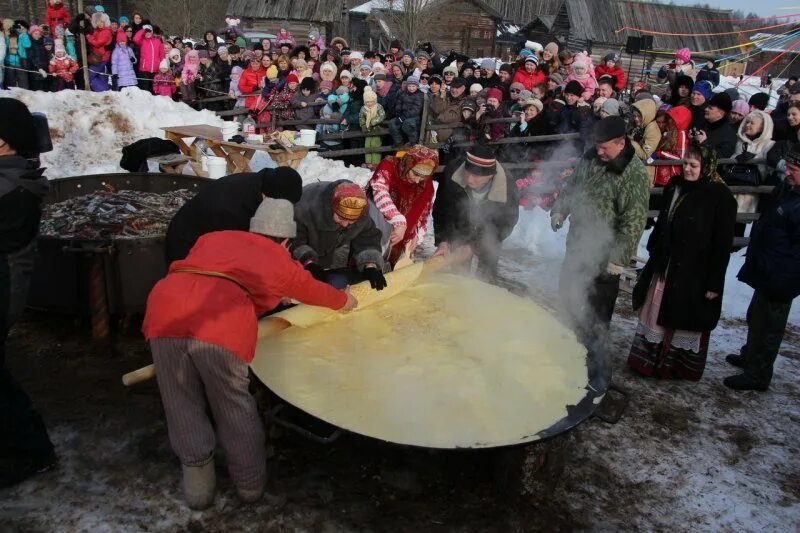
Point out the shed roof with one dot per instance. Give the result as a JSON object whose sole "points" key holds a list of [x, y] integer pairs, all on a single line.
{"points": [[310, 10], [599, 20], [778, 43]]}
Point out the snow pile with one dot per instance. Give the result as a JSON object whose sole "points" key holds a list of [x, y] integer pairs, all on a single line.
{"points": [[90, 129], [752, 86]]}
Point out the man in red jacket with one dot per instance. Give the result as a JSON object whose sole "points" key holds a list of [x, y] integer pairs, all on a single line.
{"points": [[202, 324]]}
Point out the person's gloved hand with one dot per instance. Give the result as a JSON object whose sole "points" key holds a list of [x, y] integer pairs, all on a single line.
{"points": [[317, 271], [375, 277], [556, 221], [745, 156]]}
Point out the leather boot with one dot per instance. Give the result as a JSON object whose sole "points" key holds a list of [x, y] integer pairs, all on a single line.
{"points": [[199, 484]]}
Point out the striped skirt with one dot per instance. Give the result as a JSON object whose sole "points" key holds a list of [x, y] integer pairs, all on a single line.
{"points": [[662, 352]]}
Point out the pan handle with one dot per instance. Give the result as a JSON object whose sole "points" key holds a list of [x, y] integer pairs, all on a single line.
{"points": [[613, 415], [274, 416]]}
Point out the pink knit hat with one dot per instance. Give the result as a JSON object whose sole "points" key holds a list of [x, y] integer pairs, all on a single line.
{"points": [[34, 28], [683, 54], [741, 107]]}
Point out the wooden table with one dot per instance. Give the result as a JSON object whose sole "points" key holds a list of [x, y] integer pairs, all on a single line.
{"points": [[238, 156]]}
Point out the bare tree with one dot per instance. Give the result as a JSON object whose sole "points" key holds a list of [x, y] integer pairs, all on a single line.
{"points": [[411, 21], [185, 18]]}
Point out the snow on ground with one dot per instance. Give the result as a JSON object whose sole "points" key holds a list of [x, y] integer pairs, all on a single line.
{"points": [[90, 129], [751, 86]]}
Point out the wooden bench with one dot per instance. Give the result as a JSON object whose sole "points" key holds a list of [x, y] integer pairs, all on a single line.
{"points": [[170, 163]]}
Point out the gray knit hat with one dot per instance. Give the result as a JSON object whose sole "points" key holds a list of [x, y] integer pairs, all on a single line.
{"points": [[274, 218], [611, 106]]}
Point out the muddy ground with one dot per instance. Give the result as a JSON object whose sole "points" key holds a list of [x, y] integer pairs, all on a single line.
{"points": [[684, 455]]}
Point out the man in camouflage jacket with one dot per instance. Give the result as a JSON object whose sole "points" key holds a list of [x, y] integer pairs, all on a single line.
{"points": [[606, 200]]}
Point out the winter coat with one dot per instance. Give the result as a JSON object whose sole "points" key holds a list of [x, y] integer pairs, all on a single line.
{"points": [[211, 81], [759, 147], [38, 56], [445, 110], [532, 128], [458, 219], [613, 196], [369, 125], [151, 52], [311, 111], [282, 104], [98, 40], [588, 83], [248, 84], [98, 78], [387, 101], [651, 133], [122, 61], [682, 118], [708, 74], [65, 68], [529, 80], [495, 130], [22, 188], [619, 75], [721, 137], [772, 265], [691, 243], [321, 240], [56, 16], [409, 105], [24, 45], [164, 85], [248, 276]]}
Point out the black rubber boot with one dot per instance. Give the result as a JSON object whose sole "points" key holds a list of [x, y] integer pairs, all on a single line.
{"points": [[743, 382], [735, 359]]}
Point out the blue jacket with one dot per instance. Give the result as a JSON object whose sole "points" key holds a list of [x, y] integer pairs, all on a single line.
{"points": [[409, 105], [772, 265]]}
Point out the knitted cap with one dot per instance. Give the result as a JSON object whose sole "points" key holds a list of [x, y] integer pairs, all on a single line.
{"points": [[488, 64], [611, 56], [741, 107], [683, 54], [450, 70], [574, 87], [369, 95], [121, 37], [346, 74], [17, 126], [758, 100], [552, 48], [283, 183], [475, 88], [556, 78], [494, 92], [292, 77], [532, 59], [326, 85], [703, 87], [349, 201], [412, 80], [481, 161], [274, 218], [356, 55], [611, 106]]}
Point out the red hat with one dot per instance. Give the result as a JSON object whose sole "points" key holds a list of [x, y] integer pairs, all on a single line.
{"points": [[292, 77], [495, 93], [121, 37]]}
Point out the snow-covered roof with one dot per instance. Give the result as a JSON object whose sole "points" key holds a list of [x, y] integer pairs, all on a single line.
{"points": [[367, 7], [778, 43]]}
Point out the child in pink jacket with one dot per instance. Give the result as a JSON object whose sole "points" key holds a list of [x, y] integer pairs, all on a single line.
{"points": [[164, 82], [582, 74]]}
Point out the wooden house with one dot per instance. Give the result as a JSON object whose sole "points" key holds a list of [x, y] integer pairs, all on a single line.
{"points": [[469, 26], [777, 53], [300, 17]]}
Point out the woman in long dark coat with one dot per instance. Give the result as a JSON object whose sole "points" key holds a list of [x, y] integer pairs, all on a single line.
{"points": [[679, 294]]}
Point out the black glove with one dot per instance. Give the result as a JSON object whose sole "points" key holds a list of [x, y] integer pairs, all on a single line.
{"points": [[375, 277], [317, 271], [745, 156]]}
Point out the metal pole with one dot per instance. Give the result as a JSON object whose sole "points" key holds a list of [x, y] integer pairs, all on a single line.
{"points": [[84, 59]]}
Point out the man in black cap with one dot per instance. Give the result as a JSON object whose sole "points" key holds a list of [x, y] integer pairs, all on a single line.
{"points": [[228, 204], [606, 200], [759, 101], [25, 448], [445, 106], [716, 131], [772, 268], [476, 208]]}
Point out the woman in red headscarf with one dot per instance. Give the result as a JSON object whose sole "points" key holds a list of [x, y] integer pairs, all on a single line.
{"points": [[401, 194]]}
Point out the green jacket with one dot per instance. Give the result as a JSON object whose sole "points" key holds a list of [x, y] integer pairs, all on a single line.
{"points": [[380, 116], [607, 205]]}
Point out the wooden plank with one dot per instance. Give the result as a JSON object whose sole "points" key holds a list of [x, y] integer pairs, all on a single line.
{"points": [[199, 130]]}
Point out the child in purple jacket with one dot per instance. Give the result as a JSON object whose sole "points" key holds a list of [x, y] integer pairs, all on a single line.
{"points": [[98, 77], [122, 61]]}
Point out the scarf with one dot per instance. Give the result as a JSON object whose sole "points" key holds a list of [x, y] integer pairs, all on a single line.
{"points": [[384, 91]]}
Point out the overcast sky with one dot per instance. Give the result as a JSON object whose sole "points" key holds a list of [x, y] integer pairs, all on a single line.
{"points": [[764, 8]]}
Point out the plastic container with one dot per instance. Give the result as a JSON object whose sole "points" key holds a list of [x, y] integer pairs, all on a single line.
{"points": [[248, 126], [229, 130], [217, 167], [307, 138]]}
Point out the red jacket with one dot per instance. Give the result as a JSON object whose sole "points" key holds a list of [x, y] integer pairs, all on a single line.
{"points": [[219, 311], [248, 83], [56, 16], [64, 68], [98, 40], [617, 72], [529, 80], [151, 52], [682, 118]]}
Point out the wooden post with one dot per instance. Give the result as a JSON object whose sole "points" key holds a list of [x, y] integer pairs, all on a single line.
{"points": [[424, 120], [84, 59]]}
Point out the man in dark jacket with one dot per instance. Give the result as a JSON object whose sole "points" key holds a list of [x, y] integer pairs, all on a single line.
{"points": [[335, 233], [228, 204], [445, 107], [772, 268], [606, 200], [476, 208], [25, 447], [716, 131]]}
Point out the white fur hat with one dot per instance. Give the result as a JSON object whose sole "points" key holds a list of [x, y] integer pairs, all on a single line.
{"points": [[533, 46]]}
